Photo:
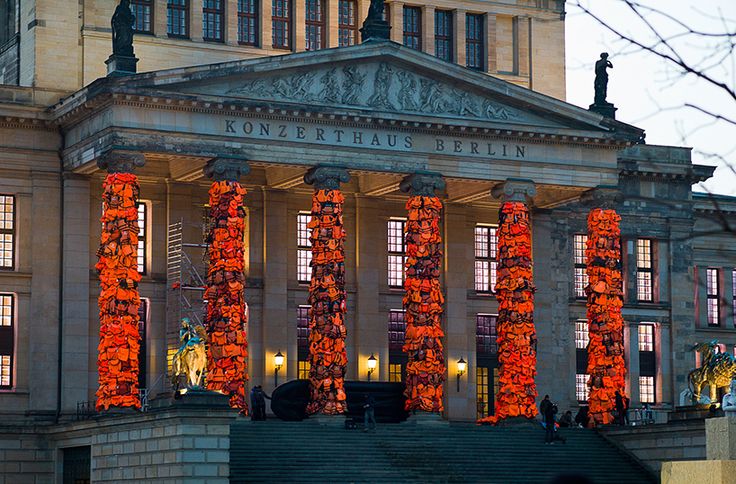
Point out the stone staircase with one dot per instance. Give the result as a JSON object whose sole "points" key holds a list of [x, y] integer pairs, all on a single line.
{"points": [[296, 452]]}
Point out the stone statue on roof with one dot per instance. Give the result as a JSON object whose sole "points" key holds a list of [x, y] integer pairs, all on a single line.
{"points": [[123, 21], [601, 79]]}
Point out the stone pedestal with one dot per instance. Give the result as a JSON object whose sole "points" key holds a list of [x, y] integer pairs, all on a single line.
{"points": [[608, 110], [720, 438], [720, 464], [120, 65]]}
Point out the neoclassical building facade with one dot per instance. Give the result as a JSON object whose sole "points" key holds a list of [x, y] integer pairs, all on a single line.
{"points": [[380, 112]]}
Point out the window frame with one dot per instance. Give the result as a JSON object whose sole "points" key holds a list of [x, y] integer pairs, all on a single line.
{"points": [[413, 20], [303, 248], [482, 286], [347, 30], [582, 334], [482, 391], [394, 254], [396, 335], [582, 391], [713, 303], [218, 20], [646, 381], [645, 274], [171, 9], [12, 232], [245, 18], [443, 34], [8, 333], [320, 25], [475, 43], [645, 337], [489, 348], [580, 274], [141, 250], [286, 7], [144, 5]]}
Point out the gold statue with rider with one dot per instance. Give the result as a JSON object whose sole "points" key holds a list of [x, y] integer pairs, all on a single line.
{"points": [[716, 370], [190, 360]]}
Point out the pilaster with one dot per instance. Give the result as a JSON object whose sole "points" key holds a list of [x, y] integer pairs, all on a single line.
{"points": [[332, 36], [231, 22], [397, 22], [490, 32], [299, 28], [428, 29], [523, 46], [631, 335], [727, 310], [663, 382], [160, 19], [195, 20], [265, 30], [458, 31]]}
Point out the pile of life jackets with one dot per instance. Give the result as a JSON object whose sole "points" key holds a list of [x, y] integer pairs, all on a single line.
{"points": [[517, 339], [226, 318], [606, 365], [117, 359], [327, 298], [423, 301]]}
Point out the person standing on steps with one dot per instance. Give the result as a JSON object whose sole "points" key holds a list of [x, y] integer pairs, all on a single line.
{"points": [[626, 409], [260, 403], [543, 405], [550, 409], [620, 408], [369, 412]]}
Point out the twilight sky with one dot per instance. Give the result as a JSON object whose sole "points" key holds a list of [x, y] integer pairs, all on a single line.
{"points": [[651, 94]]}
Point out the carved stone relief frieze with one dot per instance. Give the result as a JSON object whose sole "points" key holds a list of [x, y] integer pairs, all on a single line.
{"points": [[375, 85]]}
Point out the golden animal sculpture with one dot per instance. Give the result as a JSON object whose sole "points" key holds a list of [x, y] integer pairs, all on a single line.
{"points": [[717, 370], [190, 361]]}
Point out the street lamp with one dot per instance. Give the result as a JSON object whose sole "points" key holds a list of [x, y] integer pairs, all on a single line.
{"points": [[462, 366], [372, 363], [278, 362]]}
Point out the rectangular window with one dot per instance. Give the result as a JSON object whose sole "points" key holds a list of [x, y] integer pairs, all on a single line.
{"points": [[396, 330], [580, 242], [644, 270], [213, 14], [581, 387], [646, 389], [481, 391], [177, 18], [7, 232], [713, 296], [142, 10], [304, 248], [486, 258], [443, 34], [248, 22], [646, 337], [302, 341], [387, 13], [347, 24], [315, 24], [281, 24], [474, 41], [7, 339], [581, 334], [303, 369], [142, 237], [413, 27], [485, 334], [396, 252], [395, 372]]}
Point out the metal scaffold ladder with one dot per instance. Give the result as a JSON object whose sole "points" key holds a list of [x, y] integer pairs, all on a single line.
{"points": [[185, 283]]}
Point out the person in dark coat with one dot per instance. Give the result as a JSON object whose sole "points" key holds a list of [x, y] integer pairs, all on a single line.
{"points": [[550, 410], [260, 403], [543, 405], [369, 412], [581, 418], [253, 403], [620, 408], [566, 419]]}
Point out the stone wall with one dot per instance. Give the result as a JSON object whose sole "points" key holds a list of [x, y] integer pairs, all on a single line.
{"points": [[175, 444], [655, 444]]}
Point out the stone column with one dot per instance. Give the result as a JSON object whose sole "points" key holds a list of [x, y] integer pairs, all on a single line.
{"points": [[327, 296], [119, 300], [226, 316], [423, 299], [606, 363], [517, 337]]}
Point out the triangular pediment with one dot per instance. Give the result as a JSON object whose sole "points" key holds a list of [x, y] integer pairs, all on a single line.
{"points": [[381, 80]]}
